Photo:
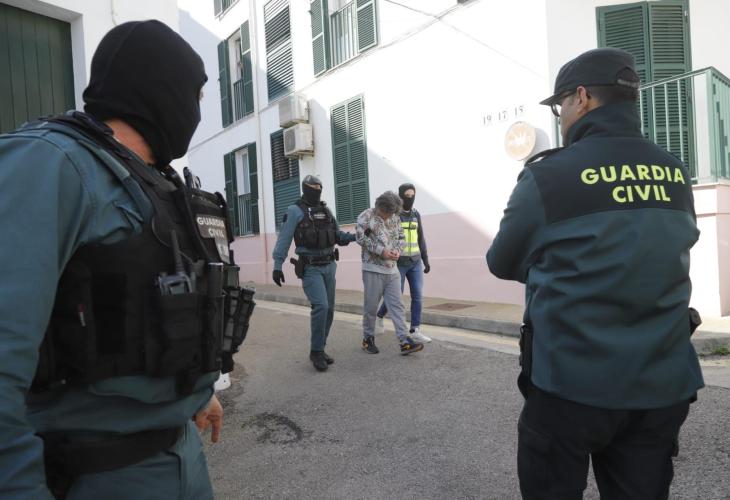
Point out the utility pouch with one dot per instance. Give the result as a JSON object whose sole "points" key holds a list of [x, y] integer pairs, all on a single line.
{"points": [[239, 306], [215, 316], [695, 320], [298, 267], [336, 254], [181, 325], [523, 380]]}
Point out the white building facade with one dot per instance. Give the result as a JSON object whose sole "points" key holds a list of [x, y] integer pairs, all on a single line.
{"points": [[426, 91]]}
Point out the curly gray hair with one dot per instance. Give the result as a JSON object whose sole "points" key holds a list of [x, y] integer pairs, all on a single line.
{"points": [[389, 203]]}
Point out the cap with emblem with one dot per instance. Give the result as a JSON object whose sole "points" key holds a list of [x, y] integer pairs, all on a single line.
{"points": [[596, 67]]}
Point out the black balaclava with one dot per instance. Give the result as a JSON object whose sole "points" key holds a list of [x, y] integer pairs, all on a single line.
{"points": [[407, 202], [146, 75], [310, 195]]}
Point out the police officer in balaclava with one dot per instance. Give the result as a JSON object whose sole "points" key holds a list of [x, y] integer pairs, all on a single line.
{"points": [[310, 223], [109, 350]]}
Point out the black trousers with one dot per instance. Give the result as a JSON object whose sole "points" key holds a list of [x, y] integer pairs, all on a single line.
{"points": [[631, 450]]}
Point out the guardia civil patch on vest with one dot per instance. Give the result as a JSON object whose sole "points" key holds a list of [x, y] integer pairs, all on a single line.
{"points": [[213, 227]]}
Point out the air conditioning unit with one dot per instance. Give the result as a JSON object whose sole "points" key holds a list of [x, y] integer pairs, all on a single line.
{"points": [[298, 140], [293, 109]]}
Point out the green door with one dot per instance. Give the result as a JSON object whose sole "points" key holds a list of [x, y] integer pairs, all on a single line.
{"points": [[36, 70]]}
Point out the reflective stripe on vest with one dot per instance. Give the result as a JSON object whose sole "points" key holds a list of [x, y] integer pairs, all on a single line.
{"points": [[410, 231]]}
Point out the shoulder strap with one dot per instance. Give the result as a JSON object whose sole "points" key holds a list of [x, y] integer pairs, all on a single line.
{"points": [[64, 126]]}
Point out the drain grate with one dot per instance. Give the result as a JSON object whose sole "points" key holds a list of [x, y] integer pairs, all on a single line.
{"points": [[450, 306]]}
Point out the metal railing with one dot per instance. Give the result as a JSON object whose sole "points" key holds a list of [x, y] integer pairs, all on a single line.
{"points": [[343, 34], [689, 115], [238, 98], [248, 214]]}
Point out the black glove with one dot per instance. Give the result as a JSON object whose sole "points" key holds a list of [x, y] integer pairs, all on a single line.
{"points": [[278, 277], [426, 267]]}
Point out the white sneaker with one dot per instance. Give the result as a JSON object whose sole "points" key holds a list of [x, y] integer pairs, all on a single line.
{"points": [[418, 336], [379, 326]]}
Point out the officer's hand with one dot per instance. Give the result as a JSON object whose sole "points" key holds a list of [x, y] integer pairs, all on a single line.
{"points": [[426, 267], [211, 415], [278, 277]]}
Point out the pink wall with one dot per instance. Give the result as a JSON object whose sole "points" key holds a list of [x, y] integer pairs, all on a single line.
{"points": [[456, 250]]}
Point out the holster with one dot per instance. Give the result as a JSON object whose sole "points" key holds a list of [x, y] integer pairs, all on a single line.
{"points": [[695, 320], [523, 380], [298, 267]]}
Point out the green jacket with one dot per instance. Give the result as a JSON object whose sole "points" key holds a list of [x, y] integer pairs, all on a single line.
{"points": [[56, 198], [600, 233]]}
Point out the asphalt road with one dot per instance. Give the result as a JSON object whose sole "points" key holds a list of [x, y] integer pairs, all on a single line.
{"points": [[439, 424]]}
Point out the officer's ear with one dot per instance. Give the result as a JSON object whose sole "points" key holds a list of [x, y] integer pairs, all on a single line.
{"points": [[585, 101]]}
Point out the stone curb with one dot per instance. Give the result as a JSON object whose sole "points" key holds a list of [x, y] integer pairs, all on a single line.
{"points": [[704, 342]]}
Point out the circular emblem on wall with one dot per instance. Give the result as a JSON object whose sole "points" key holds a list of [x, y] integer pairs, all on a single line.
{"points": [[520, 140]]}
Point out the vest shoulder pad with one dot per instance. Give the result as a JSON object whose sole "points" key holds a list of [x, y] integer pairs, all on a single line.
{"points": [[543, 154]]}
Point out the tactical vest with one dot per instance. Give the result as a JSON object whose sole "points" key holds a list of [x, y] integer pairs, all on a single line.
{"points": [[317, 230], [410, 233], [164, 302]]}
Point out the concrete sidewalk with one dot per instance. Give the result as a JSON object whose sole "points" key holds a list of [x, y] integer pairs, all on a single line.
{"points": [[503, 319]]}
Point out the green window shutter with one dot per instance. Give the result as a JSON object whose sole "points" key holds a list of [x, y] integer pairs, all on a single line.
{"points": [[341, 162], [225, 83], [247, 69], [358, 156], [277, 32], [286, 177], [367, 25], [349, 145], [217, 7], [253, 181], [670, 55], [319, 11], [657, 35], [36, 69], [229, 167]]}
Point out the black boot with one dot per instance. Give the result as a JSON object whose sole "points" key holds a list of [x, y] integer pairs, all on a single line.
{"points": [[327, 358], [318, 360]]}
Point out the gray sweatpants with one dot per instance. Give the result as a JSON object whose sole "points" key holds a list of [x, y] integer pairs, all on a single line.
{"points": [[387, 287]]}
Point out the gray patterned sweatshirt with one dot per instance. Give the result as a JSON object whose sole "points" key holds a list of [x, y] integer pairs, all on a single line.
{"points": [[374, 235]]}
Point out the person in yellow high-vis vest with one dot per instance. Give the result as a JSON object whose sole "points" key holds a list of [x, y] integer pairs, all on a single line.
{"points": [[413, 262]]}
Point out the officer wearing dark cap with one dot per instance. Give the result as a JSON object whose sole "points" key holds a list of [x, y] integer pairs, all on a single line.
{"points": [[118, 286], [600, 233], [310, 223]]}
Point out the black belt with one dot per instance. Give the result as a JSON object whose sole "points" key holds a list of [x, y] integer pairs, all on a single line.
{"points": [[67, 457], [317, 260]]}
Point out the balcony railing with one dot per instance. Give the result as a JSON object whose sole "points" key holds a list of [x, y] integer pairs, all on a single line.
{"points": [[689, 115], [242, 98], [248, 214], [343, 24]]}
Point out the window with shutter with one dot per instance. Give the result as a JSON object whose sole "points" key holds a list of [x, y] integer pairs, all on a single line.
{"points": [[240, 48], [277, 32], [221, 6], [241, 176], [285, 175], [657, 34], [349, 149], [341, 30]]}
